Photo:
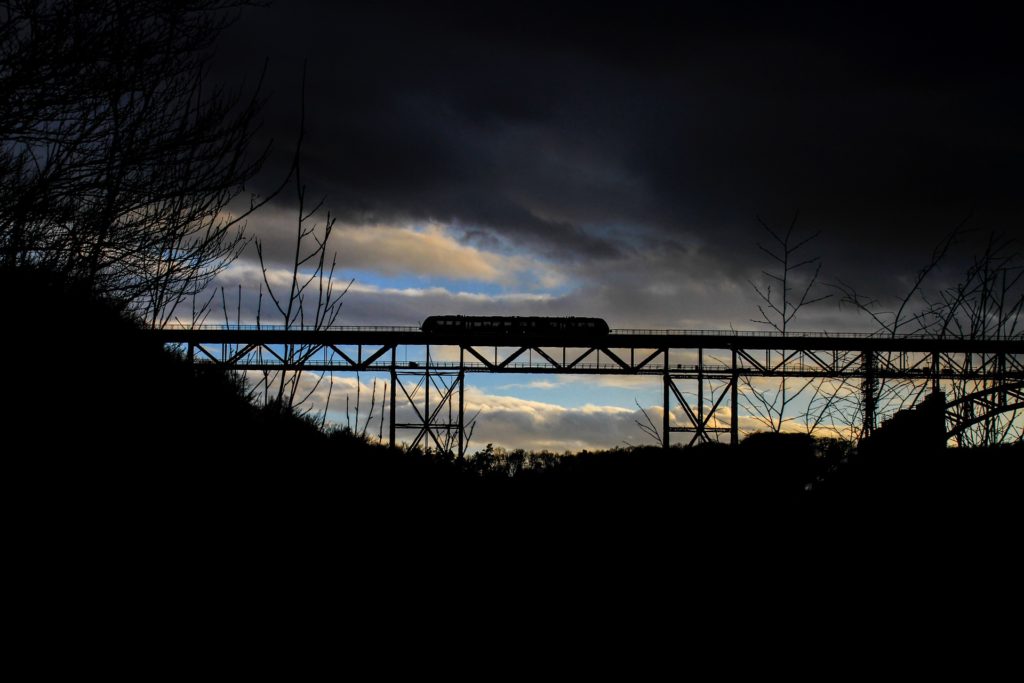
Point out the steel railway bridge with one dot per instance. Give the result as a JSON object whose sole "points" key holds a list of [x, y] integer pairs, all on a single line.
{"points": [[988, 374]]}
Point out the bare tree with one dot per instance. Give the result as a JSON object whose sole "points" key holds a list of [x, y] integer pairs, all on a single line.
{"points": [[986, 303], [905, 317], [784, 290], [311, 299], [118, 157], [647, 426]]}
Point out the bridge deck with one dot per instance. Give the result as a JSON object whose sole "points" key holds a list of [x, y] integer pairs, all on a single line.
{"points": [[980, 366], [617, 339]]}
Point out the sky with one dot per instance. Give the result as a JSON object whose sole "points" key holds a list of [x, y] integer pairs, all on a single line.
{"points": [[622, 160]]}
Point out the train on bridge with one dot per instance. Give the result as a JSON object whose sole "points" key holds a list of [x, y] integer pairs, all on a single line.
{"points": [[515, 325]]}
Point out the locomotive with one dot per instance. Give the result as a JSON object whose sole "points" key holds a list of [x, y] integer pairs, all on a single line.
{"points": [[514, 325]]}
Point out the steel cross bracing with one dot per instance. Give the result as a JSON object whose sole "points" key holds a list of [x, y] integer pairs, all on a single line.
{"points": [[428, 369]]}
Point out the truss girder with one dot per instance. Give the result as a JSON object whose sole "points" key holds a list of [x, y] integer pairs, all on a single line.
{"points": [[806, 363], [276, 357], [993, 368]]}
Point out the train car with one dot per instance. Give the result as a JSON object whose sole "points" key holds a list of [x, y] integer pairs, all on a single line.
{"points": [[515, 325]]}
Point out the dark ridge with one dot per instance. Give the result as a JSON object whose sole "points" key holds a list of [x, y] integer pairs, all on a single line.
{"points": [[111, 437]]}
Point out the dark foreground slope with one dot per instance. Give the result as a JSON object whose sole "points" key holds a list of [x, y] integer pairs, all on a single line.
{"points": [[153, 510], [92, 401], [104, 425]]}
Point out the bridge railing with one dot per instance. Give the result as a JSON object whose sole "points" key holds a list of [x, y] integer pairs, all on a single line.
{"points": [[298, 328], [759, 333], [618, 331]]}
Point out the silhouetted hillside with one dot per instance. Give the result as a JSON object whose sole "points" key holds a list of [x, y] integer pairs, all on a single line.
{"points": [[115, 425], [86, 379]]}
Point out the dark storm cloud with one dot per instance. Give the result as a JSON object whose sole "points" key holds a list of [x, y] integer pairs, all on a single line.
{"points": [[568, 129]]}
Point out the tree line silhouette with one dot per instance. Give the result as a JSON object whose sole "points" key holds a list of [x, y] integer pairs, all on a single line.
{"points": [[123, 164]]}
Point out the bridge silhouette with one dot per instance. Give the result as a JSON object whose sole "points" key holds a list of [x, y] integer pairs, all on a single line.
{"points": [[984, 376]]}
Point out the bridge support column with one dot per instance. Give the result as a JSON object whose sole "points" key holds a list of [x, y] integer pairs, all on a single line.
{"points": [[429, 393], [734, 417], [701, 435], [870, 391], [462, 403], [426, 400], [698, 418], [394, 387], [664, 414]]}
